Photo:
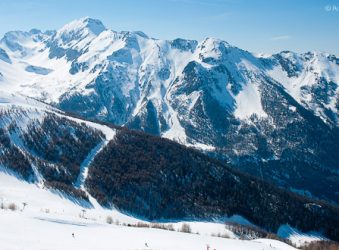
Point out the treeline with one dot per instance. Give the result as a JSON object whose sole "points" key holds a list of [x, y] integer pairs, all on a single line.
{"points": [[12, 157], [70, 190], [321, 245], [251, 232], [159, 179], [60, 146], [56, 146]]}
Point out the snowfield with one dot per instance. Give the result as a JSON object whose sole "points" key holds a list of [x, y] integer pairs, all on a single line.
{"points": [[49, 220], [19, 231]]}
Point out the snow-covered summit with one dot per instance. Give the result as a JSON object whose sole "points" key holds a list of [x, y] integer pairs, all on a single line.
{"points": [[23, 44], [79, 29]]}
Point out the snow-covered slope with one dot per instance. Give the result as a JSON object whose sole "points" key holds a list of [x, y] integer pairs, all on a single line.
{"points": [[310, 78], [49, 220], [298, 238], [46, 146], [81, 161]]}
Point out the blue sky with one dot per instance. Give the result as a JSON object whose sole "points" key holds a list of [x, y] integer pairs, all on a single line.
{"points": [[256, 25]]}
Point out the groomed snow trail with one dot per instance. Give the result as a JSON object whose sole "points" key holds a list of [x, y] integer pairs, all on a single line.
{"points": [[86, 163], [109, 135]]}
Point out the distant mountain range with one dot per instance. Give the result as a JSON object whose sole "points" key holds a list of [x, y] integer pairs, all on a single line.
{"points": [[274, 116]]}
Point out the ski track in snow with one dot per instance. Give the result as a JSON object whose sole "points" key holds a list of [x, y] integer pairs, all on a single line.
{"points": [[86, 163], [109, 135], [88, 160]]}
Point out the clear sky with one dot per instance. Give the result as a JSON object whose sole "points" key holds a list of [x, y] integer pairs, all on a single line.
{"points": [[256, 25]]}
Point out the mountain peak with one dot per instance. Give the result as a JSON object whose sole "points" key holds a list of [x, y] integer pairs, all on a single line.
{"points": [[81, 27], [215, 42], [94, 25]]}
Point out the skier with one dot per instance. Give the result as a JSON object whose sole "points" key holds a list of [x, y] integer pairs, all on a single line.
{"points": [[73, 235]]}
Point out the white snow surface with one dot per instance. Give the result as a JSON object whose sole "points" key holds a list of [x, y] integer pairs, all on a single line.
{"points": [[249, 103], [310, 71], [36, 110], [298, 238], [49, 220]]}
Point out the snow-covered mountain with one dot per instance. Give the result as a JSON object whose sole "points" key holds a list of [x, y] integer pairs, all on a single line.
{"points": [[274, 116]]}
